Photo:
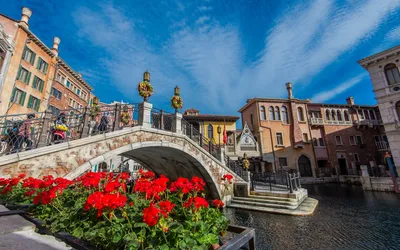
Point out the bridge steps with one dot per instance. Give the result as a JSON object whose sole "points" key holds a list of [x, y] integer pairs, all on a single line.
{"points": [[260, 200]]}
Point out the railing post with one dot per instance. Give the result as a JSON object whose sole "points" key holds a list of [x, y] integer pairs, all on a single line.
{"points": [[161, 120], [85, 129], [45, 128], [191, 131], [177, 123], [210, 147], [298, 178], [117, 117], [201, 140], [145, 114]]}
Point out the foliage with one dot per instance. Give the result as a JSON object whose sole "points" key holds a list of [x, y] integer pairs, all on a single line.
{"points": [[176, 102], [145, 89], [125, 118], [97, 207]]}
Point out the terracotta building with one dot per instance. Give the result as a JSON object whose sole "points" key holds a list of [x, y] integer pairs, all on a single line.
{"points": [[384, 71], [316, 139], [36, 77]]}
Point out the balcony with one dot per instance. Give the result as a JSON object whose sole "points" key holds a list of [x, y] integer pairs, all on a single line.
{"points": [[368, 123], [332, 122], [317, 121], [382, 145]]}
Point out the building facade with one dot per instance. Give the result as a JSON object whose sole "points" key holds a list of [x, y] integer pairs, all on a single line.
{"points": [[316, 139], [384, 70], [36, 78], [6, 50]]}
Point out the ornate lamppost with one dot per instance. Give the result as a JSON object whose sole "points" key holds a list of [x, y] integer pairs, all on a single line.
{"points": [[219, 135], [145, 89], [176, 100]]}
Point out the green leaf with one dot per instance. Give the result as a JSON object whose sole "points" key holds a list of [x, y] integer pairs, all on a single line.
{"points": [[117, 237], [78, 232]]}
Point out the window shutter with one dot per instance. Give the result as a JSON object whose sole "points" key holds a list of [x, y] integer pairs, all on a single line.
{"points": [[19, 72], [28, 78], [30, 102], [33, 57], [37, 105], [13, 95], [22, 101], [24, 54], [45, 68], [41, 86], [34, 83], [38, 63]]}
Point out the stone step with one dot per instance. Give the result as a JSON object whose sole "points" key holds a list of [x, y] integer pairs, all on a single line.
{"points": [[306, 208], [261, 199], [262, 204], [270, 197]]}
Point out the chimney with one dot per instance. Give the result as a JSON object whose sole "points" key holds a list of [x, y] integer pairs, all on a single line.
{"points": [[289, 90], [26, 14], [350, 101], [56, 42]]}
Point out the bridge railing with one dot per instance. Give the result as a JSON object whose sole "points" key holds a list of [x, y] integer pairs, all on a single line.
{"points": [[18, 133], [162, 120]]}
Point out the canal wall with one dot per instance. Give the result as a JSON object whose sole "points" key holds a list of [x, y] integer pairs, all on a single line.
{"points": [[378, 183]]}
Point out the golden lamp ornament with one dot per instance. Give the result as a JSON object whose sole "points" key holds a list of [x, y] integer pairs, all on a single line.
{"points": [[176, 100], [245, 162]]}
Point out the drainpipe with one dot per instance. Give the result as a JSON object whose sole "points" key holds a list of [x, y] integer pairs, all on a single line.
{"points": [[272, 146]]}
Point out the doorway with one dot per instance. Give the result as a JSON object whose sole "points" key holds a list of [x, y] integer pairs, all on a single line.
{"points": [[304, 166], [342, 166]]}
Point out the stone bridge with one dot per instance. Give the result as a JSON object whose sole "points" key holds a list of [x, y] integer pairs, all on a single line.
{"points": [[171, 153]]}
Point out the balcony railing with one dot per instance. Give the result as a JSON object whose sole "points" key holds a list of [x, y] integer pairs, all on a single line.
{"points": [[317, 121], [368, 122], [331, 122], [382, 145]]}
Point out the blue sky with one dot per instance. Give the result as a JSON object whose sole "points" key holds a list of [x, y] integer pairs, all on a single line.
{"points": [[219, 52]]}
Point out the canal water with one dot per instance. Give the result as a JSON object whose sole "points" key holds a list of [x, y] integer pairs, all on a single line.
{"points": [[346, 218]]}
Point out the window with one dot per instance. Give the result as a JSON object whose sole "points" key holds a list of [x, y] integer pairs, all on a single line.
{"points": [[84, 95], [56, 93], [78, 91], [328, 114], [338, 139], [305, 137], [315, 142], [210, 131], [271, 113], [361, 114], [346, 116], [392, 74], [42, 66], [282, 161], [321, 142], [279, 139], [277, 114], [60, 78], [333, 115], [29, 56], [339, 115], [352, 140], [300, 114], [359, 139], [55, 111], [38, 84], [18, 96], [251, 119], [33, 103], [366, 114], [24, 75], [90, 102], [68, 84], [285, 117], [372, 115], [263, 115], [356, 158]]}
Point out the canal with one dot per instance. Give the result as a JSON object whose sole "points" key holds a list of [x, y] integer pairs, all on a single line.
{"points": [[346, 218]]}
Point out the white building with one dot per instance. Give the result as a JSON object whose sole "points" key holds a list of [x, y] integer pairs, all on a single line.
{"points": [[383, 69], [7, 47]]}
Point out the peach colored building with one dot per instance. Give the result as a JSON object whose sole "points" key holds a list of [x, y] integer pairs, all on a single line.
{"points": [[316, 139]]}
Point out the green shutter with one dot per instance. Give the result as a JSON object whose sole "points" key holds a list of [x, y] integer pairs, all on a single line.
{"points": [[28, 78], [30, 102], [34, 83], [41, 85], [33, 57], [24, 53], [45, 68], [22, 101], [19, 72], [38, 63], [13, 95], [37, 105]]}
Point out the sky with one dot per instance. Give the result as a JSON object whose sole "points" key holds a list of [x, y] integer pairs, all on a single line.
{"points": [[220, 53]]}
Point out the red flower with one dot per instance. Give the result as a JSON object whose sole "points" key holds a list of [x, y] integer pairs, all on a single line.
{"points": [[166, 207], [29, 193], [146, 175], [181, 184], [152, 189], [21, 176], [123, 176], [32, 183], [151, 215], [218, 203], [131, 204], [112, 186], [198, 184], [188, 203], [100, 201], [227, 177], [200, 202]]}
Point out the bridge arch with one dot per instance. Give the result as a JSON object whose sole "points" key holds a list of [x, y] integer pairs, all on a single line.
{"points": [[166, 158]]}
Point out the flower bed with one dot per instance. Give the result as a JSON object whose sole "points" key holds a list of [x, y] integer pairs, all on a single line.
{"points": [[97, 208]]}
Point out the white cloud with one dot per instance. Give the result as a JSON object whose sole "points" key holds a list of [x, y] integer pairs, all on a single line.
{"points": [[394, 34], [331, 93], [202, 20]]}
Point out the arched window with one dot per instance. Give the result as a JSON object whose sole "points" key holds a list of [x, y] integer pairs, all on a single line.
{"points": [[392, 74], [277, 114], [300, 114], [271, 113], [285, 117], [346, 116], [371, 114], [333, 115], [210, 131], [339, 115], [328, 114], [263, 114]]}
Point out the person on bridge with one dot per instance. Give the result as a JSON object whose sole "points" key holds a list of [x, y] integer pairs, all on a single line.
{"points": [[59, 129], [23, 131]]}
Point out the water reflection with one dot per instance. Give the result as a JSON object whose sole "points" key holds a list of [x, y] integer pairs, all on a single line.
{"points": [[346, 218]]}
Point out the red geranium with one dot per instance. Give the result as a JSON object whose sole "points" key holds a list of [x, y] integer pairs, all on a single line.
{"points": [[151, 215], [166, 207], [227, 177], [146, 174], [218, 203], [198, 184], [181, 184]]}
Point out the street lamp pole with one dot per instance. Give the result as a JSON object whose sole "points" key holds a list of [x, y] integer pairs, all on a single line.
{"points": [[219, 135]]}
